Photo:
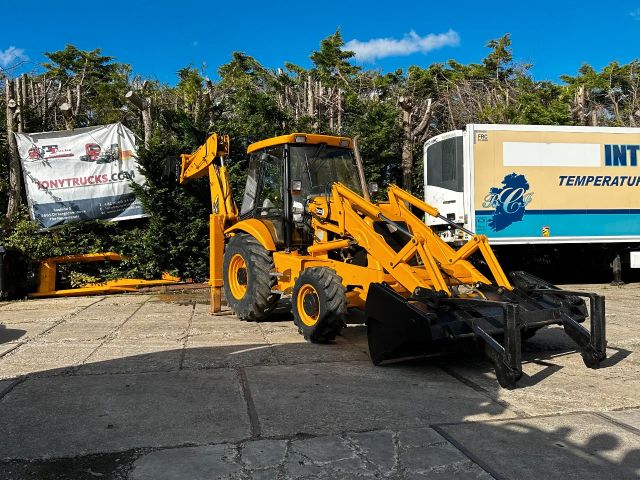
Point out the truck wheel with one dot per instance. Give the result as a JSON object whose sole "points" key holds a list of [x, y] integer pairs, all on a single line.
{"points": [[319, 304], [247, 266]]}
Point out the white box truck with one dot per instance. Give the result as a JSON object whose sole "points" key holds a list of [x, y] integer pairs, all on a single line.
{"points": [[538, 185]]}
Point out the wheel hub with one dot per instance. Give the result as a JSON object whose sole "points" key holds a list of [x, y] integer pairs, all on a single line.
{"points": [[308, 305], [238, 276], [241, 276], [311, 304]]}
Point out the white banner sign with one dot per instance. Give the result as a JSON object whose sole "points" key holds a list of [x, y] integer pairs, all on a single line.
{"points": [[79, 175]]}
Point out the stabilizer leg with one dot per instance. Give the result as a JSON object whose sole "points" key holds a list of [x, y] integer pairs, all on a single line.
{"points": [[216, 254]]}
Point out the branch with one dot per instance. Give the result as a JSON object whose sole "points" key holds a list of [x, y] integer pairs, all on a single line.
{"points": [[424, 123]]}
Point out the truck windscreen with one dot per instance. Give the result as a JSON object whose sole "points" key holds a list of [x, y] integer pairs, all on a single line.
{"points": [[444, 164]]}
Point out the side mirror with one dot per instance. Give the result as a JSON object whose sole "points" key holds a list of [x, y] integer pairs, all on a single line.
{"points": [[373, 187]]}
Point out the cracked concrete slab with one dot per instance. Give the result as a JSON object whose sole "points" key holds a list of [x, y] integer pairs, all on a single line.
{"points": [[76, 415], [194, 463], [367, 455], [264, 453]]}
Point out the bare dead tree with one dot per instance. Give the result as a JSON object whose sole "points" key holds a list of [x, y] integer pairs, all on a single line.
{"points": [[143, 104], [416, 117], [15, 174]]}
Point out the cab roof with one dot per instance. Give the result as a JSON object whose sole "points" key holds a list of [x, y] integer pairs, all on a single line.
{"points": [[311, 139]]}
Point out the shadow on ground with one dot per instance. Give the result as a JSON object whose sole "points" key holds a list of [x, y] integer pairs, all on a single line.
{"points": [[10, 334], [95, 420]]}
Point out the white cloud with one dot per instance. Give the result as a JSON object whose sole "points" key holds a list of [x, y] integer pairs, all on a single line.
{"points": [[11, 55], [377, 48], [635, 13]]}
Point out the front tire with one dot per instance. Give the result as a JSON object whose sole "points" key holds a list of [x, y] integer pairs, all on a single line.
{"points": [[319, 304], [247, 268]]}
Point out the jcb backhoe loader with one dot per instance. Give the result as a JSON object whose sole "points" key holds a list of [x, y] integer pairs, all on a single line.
{"points": [[307, 229]]}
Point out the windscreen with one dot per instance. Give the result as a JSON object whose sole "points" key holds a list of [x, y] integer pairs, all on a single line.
{"points": [[316, 167], [444, 164]]}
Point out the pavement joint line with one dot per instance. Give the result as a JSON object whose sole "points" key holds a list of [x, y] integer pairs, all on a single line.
{"points": [[17, 345], [529, 417], [618, 423], [16, 382], [252, 412], [186, 337], [47, 330], [474, 458], [395, 437], [624, 409], [110, 336], [478, 388], [272, 350], [360, 454], [281, 469]]}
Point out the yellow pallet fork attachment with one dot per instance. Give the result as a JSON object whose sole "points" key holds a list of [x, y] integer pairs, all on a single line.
{"points": [[47, 272]]}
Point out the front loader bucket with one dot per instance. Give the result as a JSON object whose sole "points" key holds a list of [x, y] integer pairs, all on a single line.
{"points": [[396, 328], [429, 323]]}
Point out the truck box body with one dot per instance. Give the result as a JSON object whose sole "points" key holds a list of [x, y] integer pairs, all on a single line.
{"points": [[531, 184]]}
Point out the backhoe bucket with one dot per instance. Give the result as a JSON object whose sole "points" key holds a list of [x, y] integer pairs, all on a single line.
{"points": [[428, 323]]}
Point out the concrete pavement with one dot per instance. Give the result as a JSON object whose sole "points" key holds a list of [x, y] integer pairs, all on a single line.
{"points": [[152, 387]]}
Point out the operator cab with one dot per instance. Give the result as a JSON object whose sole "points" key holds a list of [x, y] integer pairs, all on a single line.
{"points": [[286, 172]]}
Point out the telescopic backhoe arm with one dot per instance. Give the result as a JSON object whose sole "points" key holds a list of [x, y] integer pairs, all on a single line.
{"points": [[209, 159]]}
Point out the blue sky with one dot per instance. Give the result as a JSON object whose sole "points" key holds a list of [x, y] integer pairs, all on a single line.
{"points": [[157, 40]]}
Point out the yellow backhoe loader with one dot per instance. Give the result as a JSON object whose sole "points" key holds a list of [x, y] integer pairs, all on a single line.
{"points": [[307, 229]]}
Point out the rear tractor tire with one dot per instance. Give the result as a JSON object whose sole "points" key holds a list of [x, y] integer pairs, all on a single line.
{"points": [[248, 282], [319, 304]]}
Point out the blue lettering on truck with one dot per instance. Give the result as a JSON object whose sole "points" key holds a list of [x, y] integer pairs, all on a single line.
{"points": [[509, 201], [599, 181], [621, 155]]}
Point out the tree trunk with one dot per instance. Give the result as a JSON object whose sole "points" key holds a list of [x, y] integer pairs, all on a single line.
{"points": [[144, 107], [407, 165], [310, 105], [579, 106], [407, 144], [339, 111], [15, 180], [210, 95]]}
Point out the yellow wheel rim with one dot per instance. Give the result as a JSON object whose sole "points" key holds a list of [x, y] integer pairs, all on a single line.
{"points": [[308, 305], [238, 276]]}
